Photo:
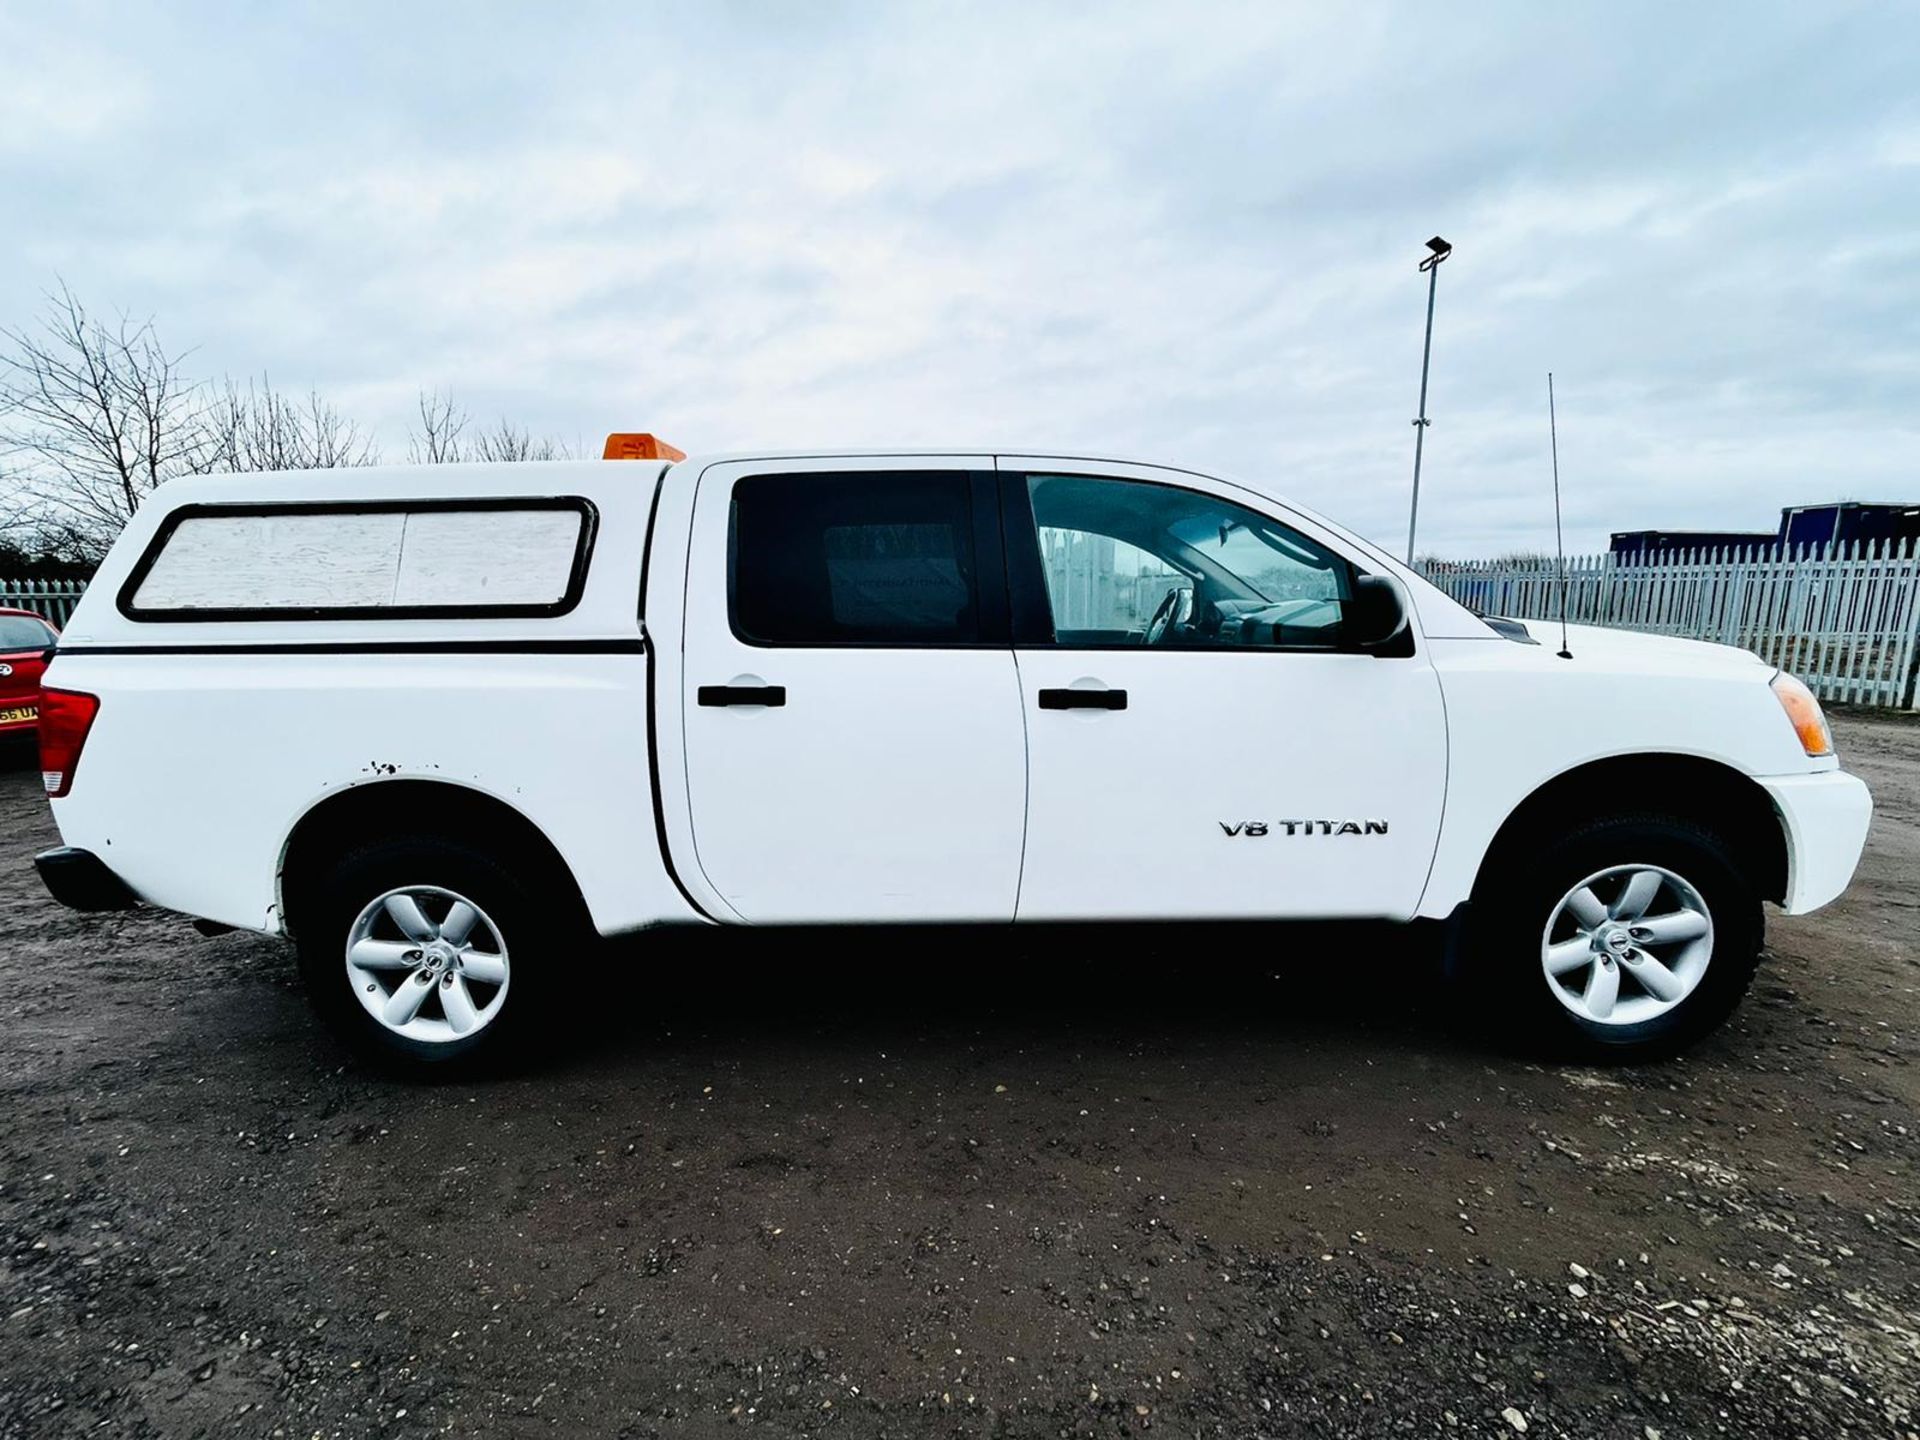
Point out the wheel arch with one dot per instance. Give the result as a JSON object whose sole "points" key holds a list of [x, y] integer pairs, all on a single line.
{"points": [[1689, 787], [471, 815]]}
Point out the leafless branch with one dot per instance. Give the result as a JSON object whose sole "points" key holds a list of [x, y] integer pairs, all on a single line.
{"points": [[442, 422], [505, 442], [446, 435], [259, 428], [94, 415]]}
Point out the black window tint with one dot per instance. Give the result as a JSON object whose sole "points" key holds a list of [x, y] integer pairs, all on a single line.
{"points": [[23, 632], [870, 558]]}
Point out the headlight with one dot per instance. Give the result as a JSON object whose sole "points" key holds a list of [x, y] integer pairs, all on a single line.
{"points": [[1803, 712]]}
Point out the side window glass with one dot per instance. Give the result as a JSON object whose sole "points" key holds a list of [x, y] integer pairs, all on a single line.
{"points": [[1127, 562], [1099, 585], [867, 557], [367, 560]]}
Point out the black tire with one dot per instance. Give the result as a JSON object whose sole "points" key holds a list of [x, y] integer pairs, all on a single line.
{"points": [[1525, 883], [533, 923]]}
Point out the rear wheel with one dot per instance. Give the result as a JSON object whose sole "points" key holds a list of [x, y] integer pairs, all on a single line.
{"points": [[428, 951], [1624, 938]]}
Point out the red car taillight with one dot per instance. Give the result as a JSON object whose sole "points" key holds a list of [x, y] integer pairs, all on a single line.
{"points": [[65, 718]]}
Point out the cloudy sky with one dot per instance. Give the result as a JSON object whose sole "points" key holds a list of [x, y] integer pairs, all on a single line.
{"points": [[1179, 231]]}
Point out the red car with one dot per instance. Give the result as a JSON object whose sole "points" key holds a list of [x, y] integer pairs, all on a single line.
{"points": [[24, 638]]}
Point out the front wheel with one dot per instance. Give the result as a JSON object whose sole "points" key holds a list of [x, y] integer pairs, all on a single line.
{"points": [[426, 951], [1626, 938]]}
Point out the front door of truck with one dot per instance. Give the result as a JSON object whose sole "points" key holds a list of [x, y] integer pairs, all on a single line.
{"points": [[1201, 740], [852, 719]]}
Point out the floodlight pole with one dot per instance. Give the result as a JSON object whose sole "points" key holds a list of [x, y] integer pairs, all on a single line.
{"points": [[1439, 250]]}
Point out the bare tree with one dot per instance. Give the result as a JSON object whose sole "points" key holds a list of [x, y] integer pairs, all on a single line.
{"points": [[437, 441], [17, 516], [505, 442], [446, 436], [259, 428], [95, 414]]}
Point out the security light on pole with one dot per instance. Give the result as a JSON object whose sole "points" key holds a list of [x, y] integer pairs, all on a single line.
{"points": [[1438, 250]]}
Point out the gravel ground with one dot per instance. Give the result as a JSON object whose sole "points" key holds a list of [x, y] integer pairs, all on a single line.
{"points": [[1205, 1183]]}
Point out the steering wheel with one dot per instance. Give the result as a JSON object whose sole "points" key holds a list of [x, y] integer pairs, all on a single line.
{"points": [[1175, 609]]}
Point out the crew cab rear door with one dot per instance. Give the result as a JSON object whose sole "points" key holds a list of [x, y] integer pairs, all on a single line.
{"points": [[1227, 759], [852, 716]]}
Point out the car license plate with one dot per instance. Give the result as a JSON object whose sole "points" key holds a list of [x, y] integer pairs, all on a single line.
{"points": [[17, 713]]}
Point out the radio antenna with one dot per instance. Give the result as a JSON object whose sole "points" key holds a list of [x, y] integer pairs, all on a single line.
{"points": [[1559, 539]]}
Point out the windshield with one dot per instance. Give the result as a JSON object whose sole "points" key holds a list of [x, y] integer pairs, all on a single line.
{"points": [[1273, 565]]}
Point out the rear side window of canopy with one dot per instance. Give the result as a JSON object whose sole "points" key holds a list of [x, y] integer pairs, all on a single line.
{"points": [[366, 560]]}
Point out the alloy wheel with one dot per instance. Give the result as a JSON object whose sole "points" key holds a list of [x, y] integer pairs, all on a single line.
{"points": [[1627, 944], [427, 964]]}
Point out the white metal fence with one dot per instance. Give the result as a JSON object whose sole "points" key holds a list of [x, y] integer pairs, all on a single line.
{"points": [[54, 599], [1845, 619], [1094, 586]]}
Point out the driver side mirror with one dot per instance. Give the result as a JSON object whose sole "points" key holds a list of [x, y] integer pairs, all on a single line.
{"points": [[1377, 620]]}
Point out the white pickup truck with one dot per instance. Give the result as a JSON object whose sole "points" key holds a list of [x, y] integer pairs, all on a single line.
{"points": [[440, 724]]}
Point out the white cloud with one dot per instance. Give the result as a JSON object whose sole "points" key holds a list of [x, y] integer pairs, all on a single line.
{"points": [[58, 90]]}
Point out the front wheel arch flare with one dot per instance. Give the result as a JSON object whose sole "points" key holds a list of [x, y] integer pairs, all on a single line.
{"points": [[414, 807], [1686, 787]]}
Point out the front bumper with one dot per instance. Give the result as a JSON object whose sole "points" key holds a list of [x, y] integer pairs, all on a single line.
{"points": [[80, 880], [1826, 818]]}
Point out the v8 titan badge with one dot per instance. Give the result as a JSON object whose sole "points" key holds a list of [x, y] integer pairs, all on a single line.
{"points": [[1255, 829]]}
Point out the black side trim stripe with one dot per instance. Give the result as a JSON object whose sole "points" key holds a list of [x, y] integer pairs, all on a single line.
{"points": [[559, 645]]}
